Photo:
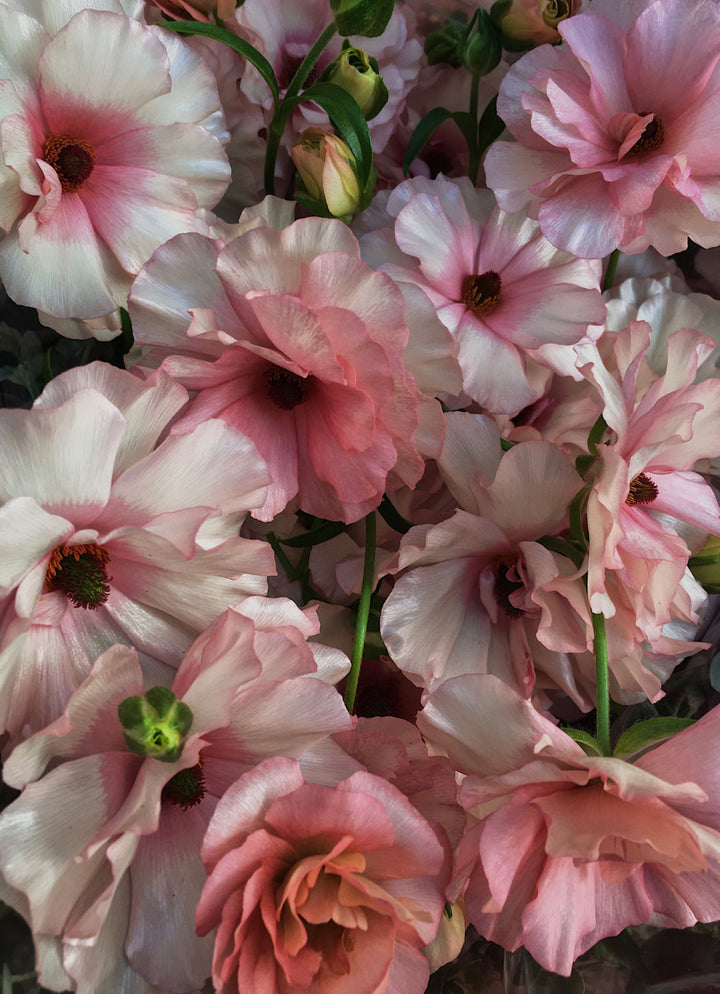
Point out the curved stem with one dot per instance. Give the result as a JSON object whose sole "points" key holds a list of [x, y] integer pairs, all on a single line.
{"points": [[612, 264], [602, 683], [363, 612], [277, 125]]}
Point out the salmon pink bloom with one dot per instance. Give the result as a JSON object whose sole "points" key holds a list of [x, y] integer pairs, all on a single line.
{"points": [[568, 848], [109, 874], [111, 135], [614, 129], [109, 535], [505, 294], [289, 337], [320, 888]]}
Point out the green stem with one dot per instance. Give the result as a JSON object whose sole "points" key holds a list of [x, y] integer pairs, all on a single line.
{"points": [[474, 163], [363, 612], [612, 264], [277, 125], [601, 680]]}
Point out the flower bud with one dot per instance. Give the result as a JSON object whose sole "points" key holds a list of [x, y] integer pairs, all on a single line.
{"points": [[155, 725], [366, 18], [527, 23], [357, 73], [442, 45], [705, 565], [480, 49], [326, 169]]}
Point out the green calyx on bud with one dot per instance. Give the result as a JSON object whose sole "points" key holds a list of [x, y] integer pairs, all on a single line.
{"points": [[524, 24], [366, 18], [442, 46], [705, 565], [156, 724], [480, 48], [358, 74]]}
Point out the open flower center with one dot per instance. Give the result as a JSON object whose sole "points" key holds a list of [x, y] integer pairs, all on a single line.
{"points": [[482, 294], [649, 141], [186, 788], [285, 389], [507, 581], [80, 572], [642, 490], [72, 159]]}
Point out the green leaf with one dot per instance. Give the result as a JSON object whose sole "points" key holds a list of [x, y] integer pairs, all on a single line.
{"points": [[423, 133], [563, 548], [241, 46], [590, 745], [367, 18], [347, 119], [491, 126], [649, 731]]}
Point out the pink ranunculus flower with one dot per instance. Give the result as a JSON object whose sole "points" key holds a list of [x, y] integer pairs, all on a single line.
{"points": [[568, 848], [111, 535], [647, 509], [505, 294], [111, 135], [317, 888], [101, 850], [289, 337], [611, 151]]}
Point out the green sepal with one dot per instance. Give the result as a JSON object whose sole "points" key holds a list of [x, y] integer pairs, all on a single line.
{"points": [[441, 46], [649, 731], [241, 46], [156, 724], [366, 18], [347, 119], [480, 49], [588, 743]]}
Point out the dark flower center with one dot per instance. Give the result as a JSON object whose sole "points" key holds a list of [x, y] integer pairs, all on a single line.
{"points": [[285, 389], [186, 788], [642, 490], [505, 586], [649, 141], [71, 158], [80, 571], [482, 294]]}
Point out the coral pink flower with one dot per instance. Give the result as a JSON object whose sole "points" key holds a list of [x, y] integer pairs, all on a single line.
{"points": [[108, 536], [570, 848], [319, 888], [611, 152], [288, 336], [111, 137], [499, 287], [102, 852]]}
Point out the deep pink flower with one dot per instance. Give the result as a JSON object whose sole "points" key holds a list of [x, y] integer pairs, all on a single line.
{"points": [[614, 129], [318, 888], [101, 851], [289, 337], [111, 536], [111, 137], [568, 848]]}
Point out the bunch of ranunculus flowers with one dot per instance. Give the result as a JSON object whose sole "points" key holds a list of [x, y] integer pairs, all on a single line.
{"points": [[431, 440]]}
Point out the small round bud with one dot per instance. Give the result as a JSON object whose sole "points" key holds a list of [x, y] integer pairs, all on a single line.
{"points": [[525, 24], [480, 49], [326, 170], [156, 724], [441, 46], [357, 73], [705, 565]]}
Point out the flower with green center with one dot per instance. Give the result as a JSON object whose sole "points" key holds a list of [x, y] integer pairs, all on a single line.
{"points": [[156, 724]]}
